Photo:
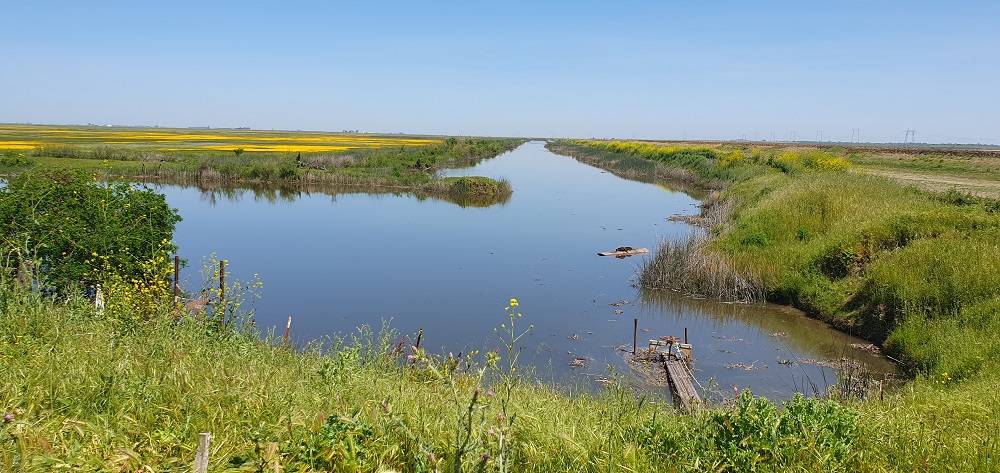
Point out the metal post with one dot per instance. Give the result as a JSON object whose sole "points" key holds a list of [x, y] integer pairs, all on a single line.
{"points": [[685, 335], [420, 335], [288, 328], [635, 330], [222, 292]]}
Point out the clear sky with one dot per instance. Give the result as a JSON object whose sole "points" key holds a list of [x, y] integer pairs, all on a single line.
{"points": [[694, 69]]}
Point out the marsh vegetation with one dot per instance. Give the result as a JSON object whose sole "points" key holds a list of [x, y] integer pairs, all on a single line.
{"points": [[278, 159]]}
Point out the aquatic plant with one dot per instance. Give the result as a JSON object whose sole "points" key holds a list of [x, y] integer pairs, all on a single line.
{"points": [[692, 267]]}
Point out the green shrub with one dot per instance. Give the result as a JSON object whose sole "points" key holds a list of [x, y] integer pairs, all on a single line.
{"points": [[68, 226], [14, 160], [59, 151], [755, 435]]}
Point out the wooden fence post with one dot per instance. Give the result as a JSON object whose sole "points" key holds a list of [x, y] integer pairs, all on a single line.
{"points": [[635, 329], [201, 456], [288, 328]]}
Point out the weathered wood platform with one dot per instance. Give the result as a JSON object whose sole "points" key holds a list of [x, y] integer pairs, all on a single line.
{"points": [[681, 387]]}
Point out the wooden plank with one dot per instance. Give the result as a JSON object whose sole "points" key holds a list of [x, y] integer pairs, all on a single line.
{"points": [[685, 395]]}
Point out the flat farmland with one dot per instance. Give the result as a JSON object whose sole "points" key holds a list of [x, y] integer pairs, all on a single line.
{"points": [[42, 137]]}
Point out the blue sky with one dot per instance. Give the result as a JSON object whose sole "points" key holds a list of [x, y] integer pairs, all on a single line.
{"points": [[605, 69]]}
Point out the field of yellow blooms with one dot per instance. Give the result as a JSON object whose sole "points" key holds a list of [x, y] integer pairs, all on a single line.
{"points": [[26, 137]]}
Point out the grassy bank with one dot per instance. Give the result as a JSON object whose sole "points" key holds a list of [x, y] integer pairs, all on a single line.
{"points": [[84, 392], [917, 270], [914, 270], [231, 158]]}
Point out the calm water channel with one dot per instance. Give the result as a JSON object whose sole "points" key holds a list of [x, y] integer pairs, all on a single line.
{"points": [[337, 262]]}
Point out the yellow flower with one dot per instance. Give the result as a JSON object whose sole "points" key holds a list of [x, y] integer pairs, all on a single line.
{"points": [[513, 302]]}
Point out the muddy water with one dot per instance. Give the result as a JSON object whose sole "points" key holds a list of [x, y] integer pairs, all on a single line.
{"points": [[337, 262]]}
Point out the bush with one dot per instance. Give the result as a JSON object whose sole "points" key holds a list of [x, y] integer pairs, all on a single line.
{"points": [[71, 228], [756, 434], [14, 160], [59, 151]]}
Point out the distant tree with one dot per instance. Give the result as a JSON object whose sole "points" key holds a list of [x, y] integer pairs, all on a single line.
{"points": [[238, 151]]}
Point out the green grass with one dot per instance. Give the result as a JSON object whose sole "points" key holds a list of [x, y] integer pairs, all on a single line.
{"points": [[87, 392]]}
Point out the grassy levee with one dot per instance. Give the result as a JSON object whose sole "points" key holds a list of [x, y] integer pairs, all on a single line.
{"points": [[914, 270], [93, 392], [387, 168]]}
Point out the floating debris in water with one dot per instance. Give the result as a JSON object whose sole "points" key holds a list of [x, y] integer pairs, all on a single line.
{"points": [[619, 312], [744, 366], [727, 339], [723, 350], [619, 303], [645, 330], [779, 334], [573, 337], [783, 361], [868, 347], [578, 362], [842, 364]]}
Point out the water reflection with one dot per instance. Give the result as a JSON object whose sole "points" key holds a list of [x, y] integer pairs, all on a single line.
{"points": [[771, 345], [213, 192]]}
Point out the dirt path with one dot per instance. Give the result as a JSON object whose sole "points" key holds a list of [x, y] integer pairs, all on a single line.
{"points": [[940, 182]]}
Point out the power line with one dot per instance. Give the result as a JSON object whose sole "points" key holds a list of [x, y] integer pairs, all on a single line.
{"points": [[856, 135]]}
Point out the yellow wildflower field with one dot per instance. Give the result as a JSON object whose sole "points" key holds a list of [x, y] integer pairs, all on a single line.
{"points": [[22, 137]]}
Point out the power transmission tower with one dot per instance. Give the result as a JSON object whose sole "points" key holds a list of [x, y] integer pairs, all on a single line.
{"points": [[819, 136], [856, 135], [910, 137]]}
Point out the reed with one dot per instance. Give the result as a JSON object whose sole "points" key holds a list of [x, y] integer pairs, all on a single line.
{"points": [[691, 267]]}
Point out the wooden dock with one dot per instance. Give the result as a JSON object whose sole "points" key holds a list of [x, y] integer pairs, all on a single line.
{"points": [[679, 377]]}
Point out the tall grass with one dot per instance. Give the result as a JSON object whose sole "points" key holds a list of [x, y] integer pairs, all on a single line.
{"points": [[690, 266], [83, 392]]}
